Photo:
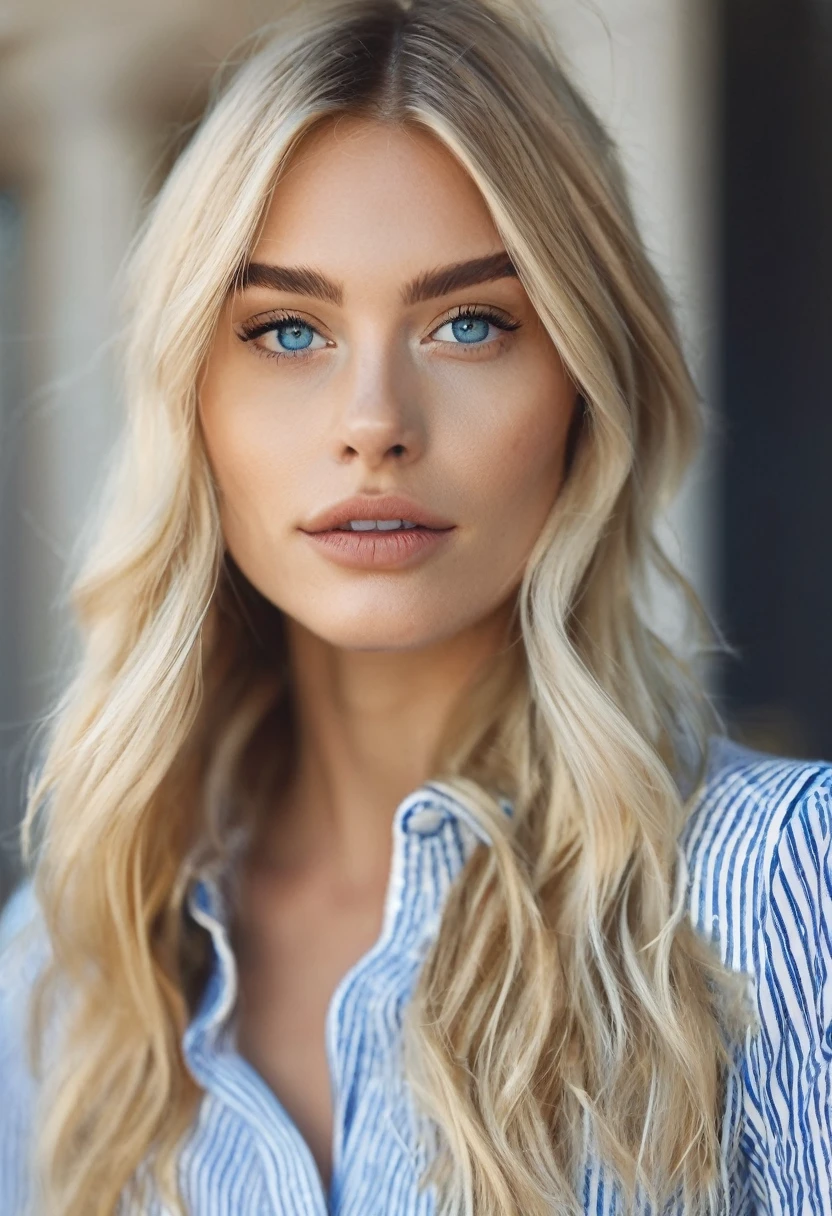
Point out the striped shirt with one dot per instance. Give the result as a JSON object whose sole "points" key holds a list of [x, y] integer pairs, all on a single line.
{"points": [[758, 846]]}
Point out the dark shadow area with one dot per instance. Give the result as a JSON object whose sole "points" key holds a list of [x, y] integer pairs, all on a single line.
{"points": [[776, 567]]}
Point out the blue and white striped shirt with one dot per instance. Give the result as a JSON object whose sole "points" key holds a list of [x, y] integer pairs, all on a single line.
{"points": [[758, 845]]}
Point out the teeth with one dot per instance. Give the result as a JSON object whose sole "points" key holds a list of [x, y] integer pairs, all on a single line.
{"points": [[380, 525]]}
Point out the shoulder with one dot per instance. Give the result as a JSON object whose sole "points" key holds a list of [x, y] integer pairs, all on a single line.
{"points": [[759, 851], [23, 944], [757, 846], [21, 908], [23, 951]]}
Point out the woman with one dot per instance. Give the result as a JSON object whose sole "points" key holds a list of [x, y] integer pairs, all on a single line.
{"points": [[383, 858]]}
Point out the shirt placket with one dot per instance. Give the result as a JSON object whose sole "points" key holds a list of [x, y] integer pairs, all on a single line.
{"points": [[290, 1175], [429, 845], [360, 1041]]}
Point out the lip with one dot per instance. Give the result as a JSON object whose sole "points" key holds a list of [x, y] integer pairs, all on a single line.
{"points": [[368, 506], [380, 550]]}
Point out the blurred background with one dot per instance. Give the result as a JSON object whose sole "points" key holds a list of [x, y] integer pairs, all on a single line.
{"points": [[722, 109]]}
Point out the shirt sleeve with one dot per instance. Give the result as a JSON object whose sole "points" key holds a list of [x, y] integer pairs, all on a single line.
{"points": [[794, 998], [20, 951]]}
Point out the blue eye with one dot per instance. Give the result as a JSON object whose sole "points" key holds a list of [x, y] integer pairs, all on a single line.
{"points": [[470, 327], [294, 335]]}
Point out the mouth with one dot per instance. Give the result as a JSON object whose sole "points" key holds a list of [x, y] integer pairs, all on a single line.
{"points": [[375, 531], [369, 513], [380, 548]]}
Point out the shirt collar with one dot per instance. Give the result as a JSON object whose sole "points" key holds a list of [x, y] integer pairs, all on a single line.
{"points": [[420, 818]]}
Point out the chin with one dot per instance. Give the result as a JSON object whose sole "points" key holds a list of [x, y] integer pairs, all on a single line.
{"points": [[375, 622], [375, 635]]}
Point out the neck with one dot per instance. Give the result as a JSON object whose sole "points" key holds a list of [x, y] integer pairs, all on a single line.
{"points": [[369, 724]]}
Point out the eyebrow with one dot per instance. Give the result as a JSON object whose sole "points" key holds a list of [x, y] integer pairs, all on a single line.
{"points": [[302, 280]]}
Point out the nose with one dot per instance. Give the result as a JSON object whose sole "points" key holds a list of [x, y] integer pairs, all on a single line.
{"points": [[379, 418]]}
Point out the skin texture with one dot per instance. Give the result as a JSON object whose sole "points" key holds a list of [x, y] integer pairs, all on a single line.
{"points": [[390, 400]]}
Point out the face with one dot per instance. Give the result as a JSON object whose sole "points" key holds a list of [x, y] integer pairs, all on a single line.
{"points": [[374, 377]]}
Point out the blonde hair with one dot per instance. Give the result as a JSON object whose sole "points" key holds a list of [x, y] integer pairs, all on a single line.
{"points": [[567, 1004]]}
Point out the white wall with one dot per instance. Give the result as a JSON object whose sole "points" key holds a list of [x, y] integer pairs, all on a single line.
{"points": [[650, 68]]}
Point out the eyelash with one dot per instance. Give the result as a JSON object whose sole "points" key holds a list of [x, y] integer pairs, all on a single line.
{"points": [[255, 329]]}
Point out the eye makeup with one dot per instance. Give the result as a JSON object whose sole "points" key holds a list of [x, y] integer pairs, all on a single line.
{"points": [[250, 331]]}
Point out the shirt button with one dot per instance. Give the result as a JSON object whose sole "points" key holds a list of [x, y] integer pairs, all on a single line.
{"points": [[425, 821]]}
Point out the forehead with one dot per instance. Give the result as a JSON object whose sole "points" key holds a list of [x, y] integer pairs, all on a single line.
{"points": [[361, 195]]}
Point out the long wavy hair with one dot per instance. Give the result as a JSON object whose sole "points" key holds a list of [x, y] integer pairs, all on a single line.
{"points": [[567, 1004]]}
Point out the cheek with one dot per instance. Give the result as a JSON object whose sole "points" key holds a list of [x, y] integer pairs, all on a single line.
{"points": [[251, 456], [519, 464]]}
